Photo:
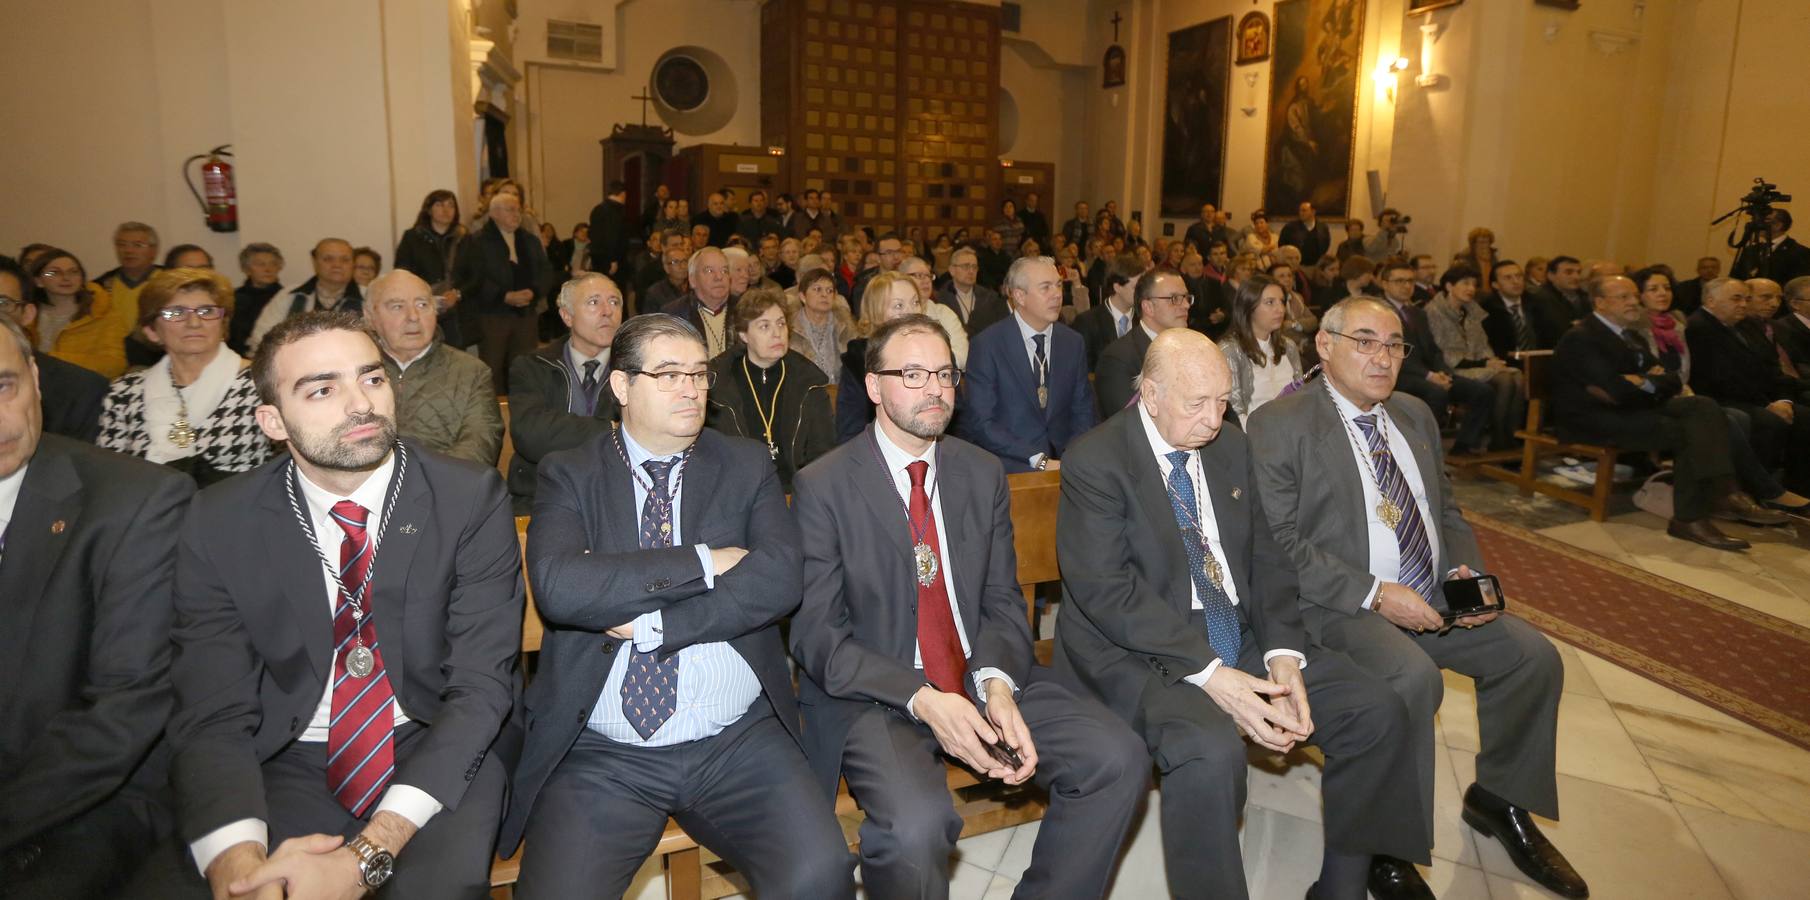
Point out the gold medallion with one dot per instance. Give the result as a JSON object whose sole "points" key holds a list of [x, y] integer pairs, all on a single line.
{"points": [[1212, 570], [182, 434], [1043, 397], [1389, 513], [926, 564]]}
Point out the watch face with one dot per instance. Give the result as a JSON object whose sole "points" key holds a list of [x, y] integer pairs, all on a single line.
{"points": [[379, 869]]}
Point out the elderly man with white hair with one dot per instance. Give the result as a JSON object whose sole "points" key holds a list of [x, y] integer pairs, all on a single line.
{"points": [[502, 276], [706, 305], [444, 397]]}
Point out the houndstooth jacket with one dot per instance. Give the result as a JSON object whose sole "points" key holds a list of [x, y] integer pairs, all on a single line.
{"points": [[229, 440]]}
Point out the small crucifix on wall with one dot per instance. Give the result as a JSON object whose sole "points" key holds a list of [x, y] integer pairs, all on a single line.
{"points": [[1112, 68], [643, 97]]}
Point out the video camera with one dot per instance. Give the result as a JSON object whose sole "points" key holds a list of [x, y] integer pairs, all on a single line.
{"points": [[1759, 201]]}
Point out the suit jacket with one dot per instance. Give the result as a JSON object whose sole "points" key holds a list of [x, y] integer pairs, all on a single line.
{"points": [[1732, 367], [1210, 295], [1549, 322], [590, 575], [85, 585], [609, 240], [1314, 242], [1126, 577], [540, 388], [989, 307], [855, 635], [1574, 309], [1122, 360], [1794, 335], [1788, 260], [1588, 390], [1426, 357], [686, 307], [71, 397], [254, 633], [998, 408], [1098, 327], [1313, 494]]}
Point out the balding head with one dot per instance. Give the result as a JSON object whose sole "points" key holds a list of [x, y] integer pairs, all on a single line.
{"points": [[401, 308], [1763, 297], [1184, 387]]}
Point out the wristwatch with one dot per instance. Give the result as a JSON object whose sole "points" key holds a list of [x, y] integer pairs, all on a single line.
{"points": [[375, 864]]}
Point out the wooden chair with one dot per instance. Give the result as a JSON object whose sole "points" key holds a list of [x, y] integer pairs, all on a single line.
{"points": [[502, 460], [1537, 442], [693, 873]]}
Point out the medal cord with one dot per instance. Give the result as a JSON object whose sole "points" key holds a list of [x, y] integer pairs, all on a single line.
{"points": [[769, 414]]}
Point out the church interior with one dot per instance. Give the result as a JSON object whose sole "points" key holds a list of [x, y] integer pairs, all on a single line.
{"points": [[1562, 149]]}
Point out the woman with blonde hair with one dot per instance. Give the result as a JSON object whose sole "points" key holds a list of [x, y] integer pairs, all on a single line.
{"points": [[889, 295], [194, 410]]}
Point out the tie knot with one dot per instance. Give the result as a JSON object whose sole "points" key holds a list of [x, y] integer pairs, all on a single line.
{"points": [[1038, 340], [351, 518], [1178, 458], [659, 470], [1367, 422], [917, 470], [590, 368]]}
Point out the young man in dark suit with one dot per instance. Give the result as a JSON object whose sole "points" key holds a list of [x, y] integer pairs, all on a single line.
{"points": [[1519, 319], [610, 233], [1162, 300], [1027, 394], [913, 646], [663, 558], [87, 539], [1181, 613], [348, 620], [1373, 584], [559, 395], [1114, 315]]}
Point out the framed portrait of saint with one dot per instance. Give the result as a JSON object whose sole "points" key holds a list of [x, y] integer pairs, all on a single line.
{"points": [[1253, 39], [1112, 67]]}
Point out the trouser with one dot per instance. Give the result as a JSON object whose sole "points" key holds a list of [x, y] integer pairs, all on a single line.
{"points": [[1509, 411], [1477, 397], [88, 856], [745, 793], [1693, 428], [1782, 443], [1519, 678], [502, 337], [1094, 768], [447, 859], [1751, 474]]}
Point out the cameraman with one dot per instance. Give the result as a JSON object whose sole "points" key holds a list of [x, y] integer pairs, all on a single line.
{"points": [[1391, 238], [1787, 258]]}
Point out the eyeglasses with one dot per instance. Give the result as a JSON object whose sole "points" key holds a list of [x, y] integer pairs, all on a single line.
{"points": [[668, 381], [1370, 346], [916, 378], [7, 304], [181, 313], [1175, 299], [58, 273]]}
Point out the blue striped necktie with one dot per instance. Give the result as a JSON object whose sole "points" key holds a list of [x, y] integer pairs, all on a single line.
{"points": [[1222, 620], [1410, 532]]}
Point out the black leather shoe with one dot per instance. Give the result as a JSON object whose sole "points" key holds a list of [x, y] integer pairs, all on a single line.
{"points": [[1397, 879], [1737, 506], [1533, 854], [1800, 509], [1704, 532]]}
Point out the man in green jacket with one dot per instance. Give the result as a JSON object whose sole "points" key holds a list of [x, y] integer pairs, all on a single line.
{"points": [[445, 398]]}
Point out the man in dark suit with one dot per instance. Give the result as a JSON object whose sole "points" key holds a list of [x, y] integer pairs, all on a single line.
{"points": [[348, 620], [558, 397], [1689, 294], [906, 658], [1519, 320], [1181, 614], [86, 543], [1426, 374], [1309, 234], [1114, 315], [1781, 259], [1027, 394], [1036, 224], [663, 558], [1793, 329], [1741, 370], [1162, 300], [976, 305], [70, 396], [1354, 485], [1203, 232], [609, 233], [1565, 287], [501, 272]]}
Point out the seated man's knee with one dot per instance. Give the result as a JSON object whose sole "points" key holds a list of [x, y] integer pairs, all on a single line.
{"points": [[825, 872], [1419, 684], [917, 830]]}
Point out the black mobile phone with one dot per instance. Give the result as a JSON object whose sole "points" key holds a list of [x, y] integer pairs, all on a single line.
{"points": [[1005, 754], [1473, 597]]}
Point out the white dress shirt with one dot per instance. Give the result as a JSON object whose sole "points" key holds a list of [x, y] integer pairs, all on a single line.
{"points": [[9, 496], [1268, 377], [412, 803], [1385, 553], [1209, 526], [896, 462]]}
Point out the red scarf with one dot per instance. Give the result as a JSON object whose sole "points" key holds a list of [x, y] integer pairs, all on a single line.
{"points": [[1666, 333]]}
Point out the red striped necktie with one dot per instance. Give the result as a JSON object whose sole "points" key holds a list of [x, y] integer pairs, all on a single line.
{"points": [[938, 641], [360, 744]]}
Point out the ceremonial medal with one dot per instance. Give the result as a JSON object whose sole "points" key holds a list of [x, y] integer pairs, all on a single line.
{"points": [[360, 661], [773, 451], [1389, 513], [926, 564], [1043, 396], [1211, 567], [182, 434]]}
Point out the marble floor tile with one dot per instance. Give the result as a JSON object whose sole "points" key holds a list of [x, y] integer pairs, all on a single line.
{"points": [[1625, 843], [1287, 784], [1452, 839], [1625, 687], [1757, 861], [1017, 857], [984, 850], [1593, 744], [1000, 888], [1578, 679], [1141, 873], [1458, 712], [968, 882], [1763, 773], [1281, 854], [1451, 881]]}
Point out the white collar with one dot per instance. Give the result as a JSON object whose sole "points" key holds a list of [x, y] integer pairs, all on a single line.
{"points": [[1612, 326], [1147, 331], [1802, 318], [404, 364], [602, 358], [369, 495], [9, 494], [897, 458], [1162, 448], [1025, 330], [1350, 410]]}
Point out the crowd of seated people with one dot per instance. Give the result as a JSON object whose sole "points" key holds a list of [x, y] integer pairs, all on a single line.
{"points": [[657, 350]]}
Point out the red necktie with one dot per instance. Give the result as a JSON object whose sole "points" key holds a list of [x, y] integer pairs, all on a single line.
{"points": [[938, 643], [360, 745]]}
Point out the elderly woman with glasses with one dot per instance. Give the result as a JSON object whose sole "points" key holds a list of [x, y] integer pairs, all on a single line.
{"points": [[194, 409]]}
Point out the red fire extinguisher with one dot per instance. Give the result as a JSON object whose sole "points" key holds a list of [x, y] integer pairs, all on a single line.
{"points": [[221, 206]]}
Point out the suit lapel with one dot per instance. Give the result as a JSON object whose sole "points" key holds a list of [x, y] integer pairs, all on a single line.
{"points": [[44, 521], [702, 472], [1334, 449], [875, 485], [1225, 491], [1152, 497], [618, 518], [1019, 361], [410, 524], [970, 579], [294, 565]]}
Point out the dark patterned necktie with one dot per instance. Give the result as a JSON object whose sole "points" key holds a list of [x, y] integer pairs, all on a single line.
{"points": [[590, 376], [1416, 570], [1043, 372], [1524, 336], [1222, 619], [650, 686], [361, 748]]}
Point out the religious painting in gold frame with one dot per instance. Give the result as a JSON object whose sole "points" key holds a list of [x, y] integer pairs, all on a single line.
{"points": [[1253, 39], [1314, 79]]}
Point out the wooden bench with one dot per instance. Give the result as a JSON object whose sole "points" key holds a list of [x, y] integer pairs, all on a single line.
{"points": [[693, 873], [1537, 442]]}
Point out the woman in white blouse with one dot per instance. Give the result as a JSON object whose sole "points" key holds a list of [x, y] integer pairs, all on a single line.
{"points": [[1265, 361]]}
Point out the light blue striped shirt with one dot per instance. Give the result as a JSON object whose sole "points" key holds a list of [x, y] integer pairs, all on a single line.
{"points": [[716, 686]]}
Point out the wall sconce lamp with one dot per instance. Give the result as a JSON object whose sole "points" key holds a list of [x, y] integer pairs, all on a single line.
{"points": [[1385, 75], [1429, 32], [1250, 93]]}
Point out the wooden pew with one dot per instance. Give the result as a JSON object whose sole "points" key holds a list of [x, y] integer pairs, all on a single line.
{"points": [[693, 873], [1537, 442]]}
